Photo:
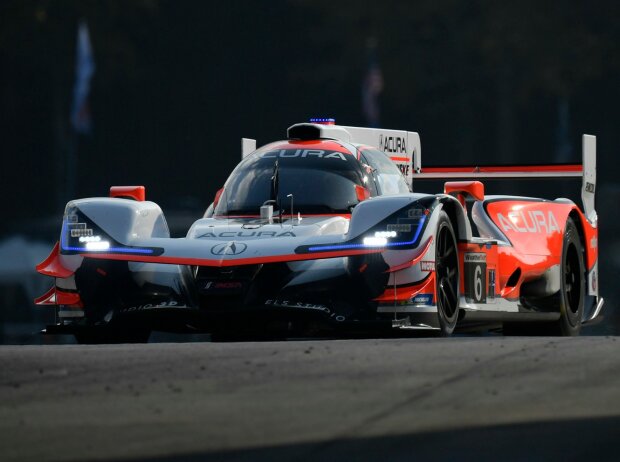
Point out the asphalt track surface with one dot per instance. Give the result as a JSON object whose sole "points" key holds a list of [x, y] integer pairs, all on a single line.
{"points": [[462, 398]]}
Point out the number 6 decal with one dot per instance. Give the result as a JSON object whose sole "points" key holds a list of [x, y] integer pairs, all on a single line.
{"points": [[475, 277]]}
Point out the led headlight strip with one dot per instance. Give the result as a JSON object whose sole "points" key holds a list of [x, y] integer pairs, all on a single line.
{"points": [[95, 243], [325, 248]]}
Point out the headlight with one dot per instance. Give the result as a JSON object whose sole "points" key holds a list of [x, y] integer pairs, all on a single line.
{"points": [[375, 241], [385, 234], [98, 245]]}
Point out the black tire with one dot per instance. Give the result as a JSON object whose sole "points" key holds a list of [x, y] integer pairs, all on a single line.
{"points": [[108, 335], [573, 283], [446, 275], [571, 299]]}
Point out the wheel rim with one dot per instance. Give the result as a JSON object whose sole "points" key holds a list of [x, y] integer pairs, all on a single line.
{"points": [[446, 271], [572, 279]]}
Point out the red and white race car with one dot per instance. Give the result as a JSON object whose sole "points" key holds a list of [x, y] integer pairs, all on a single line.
{"points": [[321, 230]]}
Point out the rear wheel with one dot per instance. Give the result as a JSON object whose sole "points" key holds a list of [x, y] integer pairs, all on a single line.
{"points": [[572, 293], [446, 275], [571, 299]]}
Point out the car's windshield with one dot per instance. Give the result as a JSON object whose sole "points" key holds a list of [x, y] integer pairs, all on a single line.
{"points": [[389, 178], [320, 181]]}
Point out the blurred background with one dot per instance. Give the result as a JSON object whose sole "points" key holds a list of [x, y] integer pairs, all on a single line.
{"points": [[159, 93]]}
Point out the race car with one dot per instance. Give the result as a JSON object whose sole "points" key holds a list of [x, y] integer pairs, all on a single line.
{"points": [[322, 232]]}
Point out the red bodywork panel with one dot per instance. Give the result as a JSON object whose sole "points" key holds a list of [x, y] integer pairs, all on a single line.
{"points": [[405, 294], [474, 188], [533, 228], [59, 297], [328, 145], [536, 229], [134, 192], [52, 265]]}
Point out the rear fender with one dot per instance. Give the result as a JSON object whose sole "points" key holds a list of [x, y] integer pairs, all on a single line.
{"points": [[589, 239], [535, 228]]}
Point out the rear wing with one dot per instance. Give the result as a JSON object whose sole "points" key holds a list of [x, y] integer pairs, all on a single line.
{"points": [[586, 171]]}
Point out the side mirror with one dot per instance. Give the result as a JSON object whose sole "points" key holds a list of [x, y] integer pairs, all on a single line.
{"points": [[361, 193], [218, 194]]}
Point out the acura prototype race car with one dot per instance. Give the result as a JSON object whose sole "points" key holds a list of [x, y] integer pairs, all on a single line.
{"points": [[321, 231]]}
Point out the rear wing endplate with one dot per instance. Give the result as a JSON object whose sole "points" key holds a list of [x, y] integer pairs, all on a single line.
{"points": [[588, 184]]}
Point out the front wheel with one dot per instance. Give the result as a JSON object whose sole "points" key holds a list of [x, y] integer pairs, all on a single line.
{"points": [[446, 275]]}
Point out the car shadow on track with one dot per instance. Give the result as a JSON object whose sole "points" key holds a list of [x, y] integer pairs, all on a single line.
{"points": [[561, 440]]}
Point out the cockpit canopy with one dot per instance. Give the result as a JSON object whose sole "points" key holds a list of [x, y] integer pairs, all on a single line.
{"points": [[321, 176]]}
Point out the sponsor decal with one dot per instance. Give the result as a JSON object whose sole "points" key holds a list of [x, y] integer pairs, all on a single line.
{"points": [[292, 153], [304, 306], [594, 242], [422, 299], [532, 221], [152, 306], [223, 285], [248, 234], [404, 169], [475, 257], [590, 187], [229, 248], [427, 265], [393, 144]]}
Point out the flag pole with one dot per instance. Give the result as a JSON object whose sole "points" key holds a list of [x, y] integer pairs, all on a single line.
{"points": [[80, 111], [372, 85]]}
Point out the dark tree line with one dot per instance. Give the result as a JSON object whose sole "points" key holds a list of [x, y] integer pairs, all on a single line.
{"points": [[178, 83]]}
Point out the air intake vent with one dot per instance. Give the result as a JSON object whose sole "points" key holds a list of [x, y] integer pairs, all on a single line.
{"points": [[318, 132], [304, 132], [514, 278]]}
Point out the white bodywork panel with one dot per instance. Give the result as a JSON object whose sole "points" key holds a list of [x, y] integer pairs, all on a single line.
{"points": [[248, 146], [588, 187]]}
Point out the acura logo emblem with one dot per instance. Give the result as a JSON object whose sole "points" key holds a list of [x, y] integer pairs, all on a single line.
{"points": [[229, 248]]}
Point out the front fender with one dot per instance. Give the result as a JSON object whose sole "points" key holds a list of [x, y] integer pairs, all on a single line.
{"points": [[457, 215]]}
